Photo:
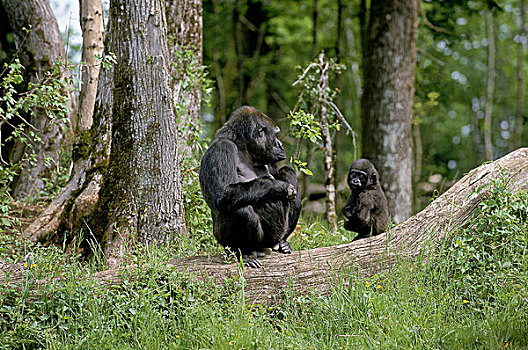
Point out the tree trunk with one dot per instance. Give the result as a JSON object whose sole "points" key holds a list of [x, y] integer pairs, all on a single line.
{"points": [[488, 147], [70, 209], [184, 27], [93, 35], [363, 23], [520, 78], [418, 159], [387, 101], [250, 28], [476, 137], [140, 198], [315, 14], [329, 162], [219, 79], [314, 269], [39, 48]]}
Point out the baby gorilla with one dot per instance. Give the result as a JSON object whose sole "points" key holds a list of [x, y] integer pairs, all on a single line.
{"points": [[366, 209], [254, 204]]}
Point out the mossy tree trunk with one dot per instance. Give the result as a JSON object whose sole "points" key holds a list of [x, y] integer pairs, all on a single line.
{"points": [[389, 60], [131, 146], [140, 198], [70, 209], [184, 22], [40, 46]]}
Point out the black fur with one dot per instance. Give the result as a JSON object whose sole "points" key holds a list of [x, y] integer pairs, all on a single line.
{"points": [[366, 209], [254, 204]]}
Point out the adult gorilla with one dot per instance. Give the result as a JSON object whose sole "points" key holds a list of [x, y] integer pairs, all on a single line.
{"points": [[253, 203]]}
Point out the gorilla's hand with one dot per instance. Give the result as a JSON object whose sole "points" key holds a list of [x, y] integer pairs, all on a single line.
{"points": [[292, 193], [283, 189]]}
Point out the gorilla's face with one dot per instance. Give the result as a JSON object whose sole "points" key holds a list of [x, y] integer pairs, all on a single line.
{"points": [[266, 146], [357, 179]]}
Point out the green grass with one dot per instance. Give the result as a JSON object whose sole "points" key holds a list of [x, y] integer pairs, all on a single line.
{"points": [[472, 294]]}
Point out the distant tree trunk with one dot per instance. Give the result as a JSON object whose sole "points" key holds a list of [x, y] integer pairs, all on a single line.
{"points": [[363, 24], [40, 47], [184, 28], [329, 162], [315, 14], [475, 133], [93, 35], [140, 198], [519, 110], [418, 158], [387, 101], [488, 147], [352, 52], [250, 29], [219, 79], [305, 179]]}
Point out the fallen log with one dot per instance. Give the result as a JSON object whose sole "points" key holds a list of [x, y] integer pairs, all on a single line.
{"points": [[314, 269]]}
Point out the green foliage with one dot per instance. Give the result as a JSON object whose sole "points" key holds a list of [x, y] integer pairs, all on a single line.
{"points": [[424, 108], [303, 126], [108, 60], [313, 232], [469, 295], [314, 95], [488, 257], [16, 109], [314, 91], [190, 75]]}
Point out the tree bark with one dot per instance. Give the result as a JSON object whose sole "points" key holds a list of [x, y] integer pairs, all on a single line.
{"points": [[250, 29], [520, 78], [316, 269], [387, 100], [184, 27], [40, 46], [93, 35], [329, 162], [140, 198], [70, 209], [315, 14], [488, 146]]}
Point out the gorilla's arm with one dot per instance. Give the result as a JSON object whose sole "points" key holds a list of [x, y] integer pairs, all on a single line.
{"points": [[367, 201], [221, 181]]}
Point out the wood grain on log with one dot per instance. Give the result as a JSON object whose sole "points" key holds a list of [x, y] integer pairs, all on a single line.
{"points": [[311, 269]]}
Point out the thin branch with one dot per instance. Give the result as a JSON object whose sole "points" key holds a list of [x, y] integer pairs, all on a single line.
{"points": [[304, 73], [430, 25], [343, 120], [432, 57]]}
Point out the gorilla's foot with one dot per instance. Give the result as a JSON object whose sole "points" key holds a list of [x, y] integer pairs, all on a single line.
{"points": [[282, 247], [251, 259]]}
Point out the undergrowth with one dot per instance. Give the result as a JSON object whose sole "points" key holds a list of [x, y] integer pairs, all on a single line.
{"points": [[471, 294]]}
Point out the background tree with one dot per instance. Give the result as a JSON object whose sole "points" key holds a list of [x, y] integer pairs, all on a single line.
{"points": [[93, 35], [184, 21], [386, 104], [40, 47], [490, 33], [519, 110]]}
